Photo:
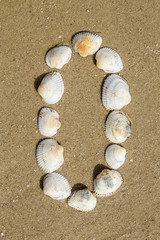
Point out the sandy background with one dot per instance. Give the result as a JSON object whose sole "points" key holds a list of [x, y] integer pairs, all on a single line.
{"points": [[28, 30]]}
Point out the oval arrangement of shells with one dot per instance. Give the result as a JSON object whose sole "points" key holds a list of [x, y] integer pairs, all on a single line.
{"points": [[115, 95]]}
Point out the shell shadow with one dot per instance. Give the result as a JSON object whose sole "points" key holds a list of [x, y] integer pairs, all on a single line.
{"points": [[41, 181], [38, 81], [78, 186]]}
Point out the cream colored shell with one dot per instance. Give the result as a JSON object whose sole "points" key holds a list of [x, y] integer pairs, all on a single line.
{"points": [[51, 88], [115, 93], [82, 200], [49, 155], [86, 43], [56, 186], [108, 60], [118, 127], [57, 57], [107, 182], [115, 156]]}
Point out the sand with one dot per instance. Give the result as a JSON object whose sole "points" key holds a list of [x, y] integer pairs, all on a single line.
{"points": [[28, 30]]}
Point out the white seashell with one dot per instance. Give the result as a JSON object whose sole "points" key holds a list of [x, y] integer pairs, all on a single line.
{"points": [[82, 200], [56, 186], [115, 93], [86, 43], [107, 182], [118, 127], [49, 155], [108, 60], [115, 156], [48, 122], [51, 88], [57, 57]]}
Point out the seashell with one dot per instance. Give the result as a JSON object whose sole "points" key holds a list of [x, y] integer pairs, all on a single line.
{"points": [[49, 155], [48, 122], [51, 88], [108, 60], [82, 200], [118, 127], [57, 57], [107, 182], [115, 156], [86, 43], [56, 186], [115, 93]]}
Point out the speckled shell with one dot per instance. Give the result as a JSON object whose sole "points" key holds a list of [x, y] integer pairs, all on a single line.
{"points": [[108, 60], [115, 93], [82, 200], [49, 155], [107, 182], [86, 43], [56, 186], [51, 88], [118, 127], [48, 122], [57, 57], [115, 156]]}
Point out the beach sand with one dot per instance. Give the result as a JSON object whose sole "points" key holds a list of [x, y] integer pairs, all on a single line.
{"points": [[28, 30]]}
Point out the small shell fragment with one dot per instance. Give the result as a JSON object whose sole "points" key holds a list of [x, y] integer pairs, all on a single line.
{"points": [[108, 60], [57, 57], [82, 200], [86, 43], [49, 155], [48, 122], [51, 88], [56, 186], [115, 93], [107, 182], [118, 127], [115, 156]]}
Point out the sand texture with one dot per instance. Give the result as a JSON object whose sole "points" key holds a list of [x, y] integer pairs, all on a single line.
{"points": [[28, 30]]}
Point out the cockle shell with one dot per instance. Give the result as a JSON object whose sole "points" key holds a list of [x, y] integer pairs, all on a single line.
{"points": [[107, 182], [118, 127], [49, 155], [108, 60], [57, 57], [82, 200], [48, 122], [51, 88], [86, 43], [115, 156], [115, 93], [56, 186]]}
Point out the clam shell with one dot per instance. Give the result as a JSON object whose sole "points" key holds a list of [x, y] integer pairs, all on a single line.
{"points": [[57, 57], [118, 127], [51, 88], [82, 200], [86, 43], [107, 182], [56, 186], [108, 60], [48, 122], [115, 93], [49, 155], [115, 156]]}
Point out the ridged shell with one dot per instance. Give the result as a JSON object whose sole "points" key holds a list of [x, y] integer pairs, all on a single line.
{"points": [[107, 182], [82, 200], [48, 122], [49, 155], [115, 93], [56, 186], [108, 60], [118, 127], [115, 156], [57, 57], [51, 88], [86, 43]]}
